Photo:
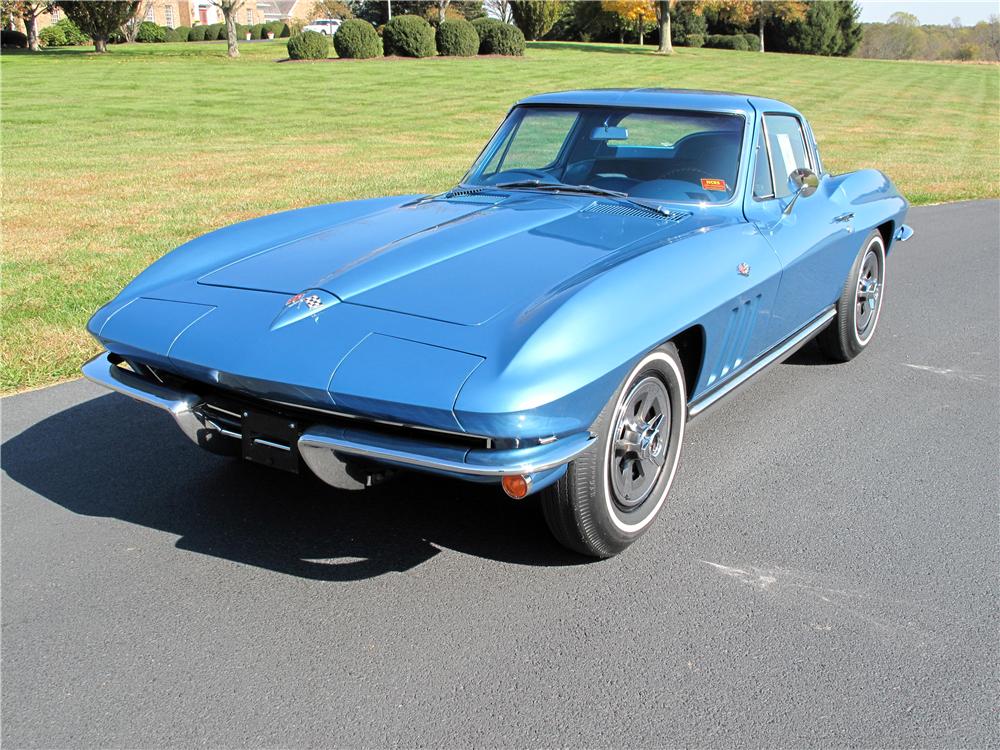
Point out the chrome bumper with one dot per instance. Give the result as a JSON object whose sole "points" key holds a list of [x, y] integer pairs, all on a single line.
{"points": [[320, 445]]}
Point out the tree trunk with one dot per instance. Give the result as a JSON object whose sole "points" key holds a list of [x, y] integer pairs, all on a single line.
{"points": [[31, 29], [100, 45], [640, 36], [761, 29], [666, 43], [230, 16]]}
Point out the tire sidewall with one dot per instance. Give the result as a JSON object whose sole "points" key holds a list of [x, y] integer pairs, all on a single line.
{"points": [[616, 526], [873, 241]]}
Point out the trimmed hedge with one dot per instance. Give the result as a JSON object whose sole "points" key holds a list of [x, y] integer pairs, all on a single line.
{"points": [[277, 28], [149, 32], [309, 45], [482, 22], [358, 39], [501, 39], [172, 35], [183, 33], [197, 34], [11, 38], [409, 36], [694, 40], [753, 42], [457, 38], [727, 41], [257, 31]]}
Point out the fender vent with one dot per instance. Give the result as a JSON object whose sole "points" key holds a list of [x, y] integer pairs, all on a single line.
{"points": [[620, 209]]}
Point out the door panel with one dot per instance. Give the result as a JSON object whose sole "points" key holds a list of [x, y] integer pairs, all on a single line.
{"points": [[814, 249]]}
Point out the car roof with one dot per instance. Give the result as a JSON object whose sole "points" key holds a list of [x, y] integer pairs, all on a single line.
{"points": [[654, 98]]}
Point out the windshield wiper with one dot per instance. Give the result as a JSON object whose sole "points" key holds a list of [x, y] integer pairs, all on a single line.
{"points": [[588, 189]]}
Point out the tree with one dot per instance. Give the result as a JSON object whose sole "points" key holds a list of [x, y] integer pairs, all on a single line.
{"points": [[663, 8], [988, 35], [636, 13], [499, 9], [759, 12], [535, 17], [130, 29], [99, 20], [330, 9], [828, 28], [904, 19], [442, 6], [229, 9], [29, 13]]}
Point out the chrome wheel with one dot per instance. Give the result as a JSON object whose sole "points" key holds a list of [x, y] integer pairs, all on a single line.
{"points": [[866, 307], [640, 440]]}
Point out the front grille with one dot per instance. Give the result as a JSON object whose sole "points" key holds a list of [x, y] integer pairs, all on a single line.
{"points": [[226, 409]]}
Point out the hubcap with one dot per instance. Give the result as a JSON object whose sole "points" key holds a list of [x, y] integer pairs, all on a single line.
{"points": [[641, 436], [869, 289]]}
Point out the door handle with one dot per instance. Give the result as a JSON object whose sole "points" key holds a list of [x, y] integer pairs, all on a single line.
{"points": [[849, 216]]}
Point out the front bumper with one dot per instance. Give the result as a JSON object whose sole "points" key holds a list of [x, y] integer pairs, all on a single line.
{"points": [[321, 446]]}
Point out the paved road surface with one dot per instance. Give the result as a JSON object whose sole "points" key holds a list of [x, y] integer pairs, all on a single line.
{"points": [[825, 572]]}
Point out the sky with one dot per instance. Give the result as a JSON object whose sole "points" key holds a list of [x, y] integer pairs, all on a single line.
{"points": [[930, 11]]}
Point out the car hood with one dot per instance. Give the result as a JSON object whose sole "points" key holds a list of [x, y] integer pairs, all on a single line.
{"points": [[460, 259]]}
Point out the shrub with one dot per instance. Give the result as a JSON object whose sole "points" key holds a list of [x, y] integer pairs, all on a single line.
{"points": [[171, 35], [11, 38], [197, 34], [149, 32], [52, 36], [286, 31], [753, 42], [274, 27], [309, 45], [223, 33], [257, 31], [457, 38], [482, 23], [694, 40], [727, 41], [183, 33], [357, 38], [502, 39], [409, 36]]}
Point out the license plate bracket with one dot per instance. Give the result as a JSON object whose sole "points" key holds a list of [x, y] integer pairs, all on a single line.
{"points": [[271, 440]]}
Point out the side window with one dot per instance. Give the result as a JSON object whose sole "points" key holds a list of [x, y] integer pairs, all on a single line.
{"points": [[535, 142], [788, 149], [763, 187]]}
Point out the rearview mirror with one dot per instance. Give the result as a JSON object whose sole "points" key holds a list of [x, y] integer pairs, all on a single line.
{"points": [[608, 133], [803, 182]]}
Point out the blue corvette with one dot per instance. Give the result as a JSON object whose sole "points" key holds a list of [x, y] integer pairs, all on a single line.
{"points": [[614, 263]]}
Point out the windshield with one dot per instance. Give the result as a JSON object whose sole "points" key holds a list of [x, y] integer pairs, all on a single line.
{"points": [[664, 155]]}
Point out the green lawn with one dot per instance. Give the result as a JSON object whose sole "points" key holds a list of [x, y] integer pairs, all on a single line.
{"points": [[110, 161]]}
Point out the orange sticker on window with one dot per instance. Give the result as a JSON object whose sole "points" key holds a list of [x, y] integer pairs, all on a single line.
{"points": [[713, 184]]}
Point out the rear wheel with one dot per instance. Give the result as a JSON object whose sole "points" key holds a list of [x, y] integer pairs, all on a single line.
{"points": [[612, 492], [859, 305]]}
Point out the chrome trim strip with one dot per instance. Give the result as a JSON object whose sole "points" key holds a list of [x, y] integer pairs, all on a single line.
{"points": [[318, 446], [269, 444], [782, 351]]}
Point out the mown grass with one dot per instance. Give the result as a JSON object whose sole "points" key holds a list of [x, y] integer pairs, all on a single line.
{"points": [[110, 161]]}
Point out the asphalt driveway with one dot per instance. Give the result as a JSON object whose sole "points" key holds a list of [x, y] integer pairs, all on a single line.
{"points": [[824, 573]]}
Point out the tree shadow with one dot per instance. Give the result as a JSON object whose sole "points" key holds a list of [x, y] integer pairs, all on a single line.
{"points": [[607, 47], [114, 458]]}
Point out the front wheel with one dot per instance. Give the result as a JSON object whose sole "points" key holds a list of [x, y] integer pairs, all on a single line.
{"points": [[611, 493], [859, 305]]}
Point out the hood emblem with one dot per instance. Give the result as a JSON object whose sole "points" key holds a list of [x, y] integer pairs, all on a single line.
{"points": [[743, 269], [303, 305]]}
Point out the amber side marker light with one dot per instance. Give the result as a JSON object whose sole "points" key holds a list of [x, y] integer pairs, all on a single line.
{"points": [[516, 485]]}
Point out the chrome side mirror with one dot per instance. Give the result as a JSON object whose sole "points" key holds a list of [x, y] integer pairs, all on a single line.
{"points": [[803, 182]]}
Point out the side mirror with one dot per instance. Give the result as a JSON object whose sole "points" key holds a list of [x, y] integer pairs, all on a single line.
{"points": [[803, 182]]}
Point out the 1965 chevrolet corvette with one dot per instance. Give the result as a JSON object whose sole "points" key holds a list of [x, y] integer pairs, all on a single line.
{"points": [[614, 263]]}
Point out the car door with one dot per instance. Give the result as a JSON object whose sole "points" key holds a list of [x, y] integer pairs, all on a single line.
{"points": [[813, 240]]}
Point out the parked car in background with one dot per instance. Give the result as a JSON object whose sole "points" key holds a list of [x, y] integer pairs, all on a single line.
{"points": [[326, 26], [613, 264]]}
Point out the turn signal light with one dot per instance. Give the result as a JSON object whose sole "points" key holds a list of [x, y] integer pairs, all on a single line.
{"points": [[516, 485]]}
